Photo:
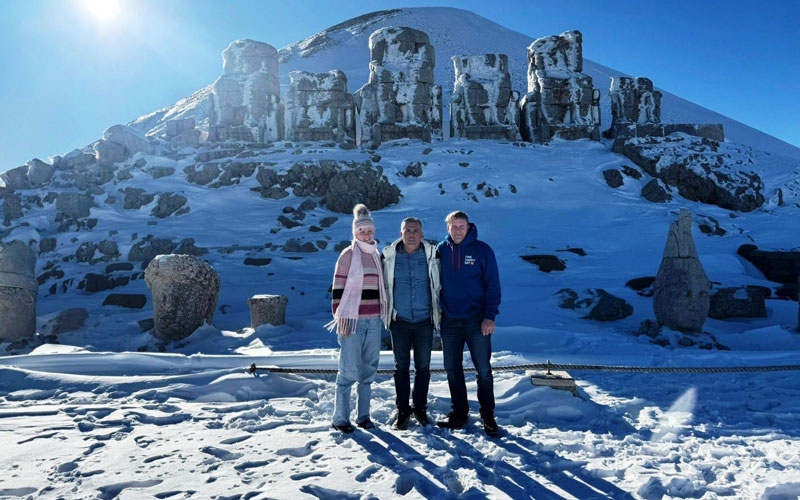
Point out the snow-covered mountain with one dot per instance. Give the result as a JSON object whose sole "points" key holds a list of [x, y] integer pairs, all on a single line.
{"points": [[94, 406], [453, 32]]}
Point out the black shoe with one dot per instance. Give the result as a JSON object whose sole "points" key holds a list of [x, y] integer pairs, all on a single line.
{"points": [[366, 424], [453, 421], [421, 415], [403, 417], [490, 426], [346, 428]]}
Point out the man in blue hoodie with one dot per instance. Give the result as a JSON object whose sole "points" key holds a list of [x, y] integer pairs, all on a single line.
{"points": [[470, 299]]}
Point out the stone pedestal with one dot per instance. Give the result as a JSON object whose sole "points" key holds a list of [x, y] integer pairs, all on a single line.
{"points": [[267, 309], [18, 291]]}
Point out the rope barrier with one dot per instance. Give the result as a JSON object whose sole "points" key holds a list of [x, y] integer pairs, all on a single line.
{"points": [[556, 366]]}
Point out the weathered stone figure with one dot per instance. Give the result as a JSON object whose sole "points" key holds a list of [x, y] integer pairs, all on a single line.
{"points": [[481, 98], [185, 290], [246, 98], [400, 99], [18, 291], [319, 108], [681, 289], [560, 101], [182, 131], [633, 100]]}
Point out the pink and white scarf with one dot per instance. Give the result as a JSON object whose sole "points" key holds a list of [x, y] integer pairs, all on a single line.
{"points": [[346, 316]]}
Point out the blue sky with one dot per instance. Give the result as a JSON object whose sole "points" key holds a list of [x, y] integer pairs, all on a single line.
{"points": [[68, 73]]}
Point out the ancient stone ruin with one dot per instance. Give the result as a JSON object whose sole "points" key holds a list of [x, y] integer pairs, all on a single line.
{"points": [[267, 310], [319, 108], [185, 290], [182, 131], [483, 104], [633, 100], [561, 101], [246, 98], [636, 112], [400, 100], [681, 289], [18, 291]]}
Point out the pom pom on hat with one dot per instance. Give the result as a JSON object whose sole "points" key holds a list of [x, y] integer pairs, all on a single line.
{"points": [[362, 217]]}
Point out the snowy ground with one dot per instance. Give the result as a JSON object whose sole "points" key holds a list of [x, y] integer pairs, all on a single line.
{"points": [[108, 412]]}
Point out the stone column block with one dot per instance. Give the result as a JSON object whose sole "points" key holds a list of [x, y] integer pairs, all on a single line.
{"points": [[267, 309]]}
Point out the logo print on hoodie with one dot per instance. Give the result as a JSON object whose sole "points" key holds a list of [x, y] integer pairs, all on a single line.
{"points": [[469, 260]]}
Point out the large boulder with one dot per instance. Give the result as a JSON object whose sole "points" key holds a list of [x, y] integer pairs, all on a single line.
{"points": [[131, 139], [681, 289], [185, 290], [19, 290]]}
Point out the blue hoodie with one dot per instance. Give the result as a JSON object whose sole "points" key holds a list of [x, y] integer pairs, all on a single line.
{"points": [[470, 279]]}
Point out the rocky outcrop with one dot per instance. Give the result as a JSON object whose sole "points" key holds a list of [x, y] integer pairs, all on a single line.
{"points": [[185, 290], [698, 168], [19, 291], [598, 304], [780, 266], [340, 184], [681, 288], [246, 98], [739, 302], [319, 108], [400, 100], [561, 101], [483, 104]]}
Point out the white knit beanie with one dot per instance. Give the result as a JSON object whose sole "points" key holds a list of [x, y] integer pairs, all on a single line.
{"points": [[361, 218]]}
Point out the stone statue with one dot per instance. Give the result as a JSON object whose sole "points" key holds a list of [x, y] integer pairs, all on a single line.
{"points": [[246, 98], [681, 299], [633, 100], [560, 101], [18, 291], [319, 108], [185, 290], [400, 99], [482, 97]]}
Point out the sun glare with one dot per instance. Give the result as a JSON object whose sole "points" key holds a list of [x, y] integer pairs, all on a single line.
{"points": [[103, 10]]}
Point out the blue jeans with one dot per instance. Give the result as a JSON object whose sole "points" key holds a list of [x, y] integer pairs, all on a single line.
{"points": [[405, 337], [358, 362], [455, 333]]}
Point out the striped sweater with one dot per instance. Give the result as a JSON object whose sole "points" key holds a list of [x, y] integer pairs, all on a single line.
{"points": [[370, 306]]}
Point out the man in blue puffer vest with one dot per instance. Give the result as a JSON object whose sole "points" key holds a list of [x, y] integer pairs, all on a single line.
{"points": [[411, 273], [470, 299]]}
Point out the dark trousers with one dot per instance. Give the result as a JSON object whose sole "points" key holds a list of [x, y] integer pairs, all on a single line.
{"points": [[455, 333], [405, 337]]}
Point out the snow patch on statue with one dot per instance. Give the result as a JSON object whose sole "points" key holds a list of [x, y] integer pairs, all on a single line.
{"points": [[561, 101], [319, 108], [483, 104], [400, 100], [246, 98]]}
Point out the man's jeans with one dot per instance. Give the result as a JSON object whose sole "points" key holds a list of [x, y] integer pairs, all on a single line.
{"points": [[405, 337], [455, 333], [358, 362]]}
